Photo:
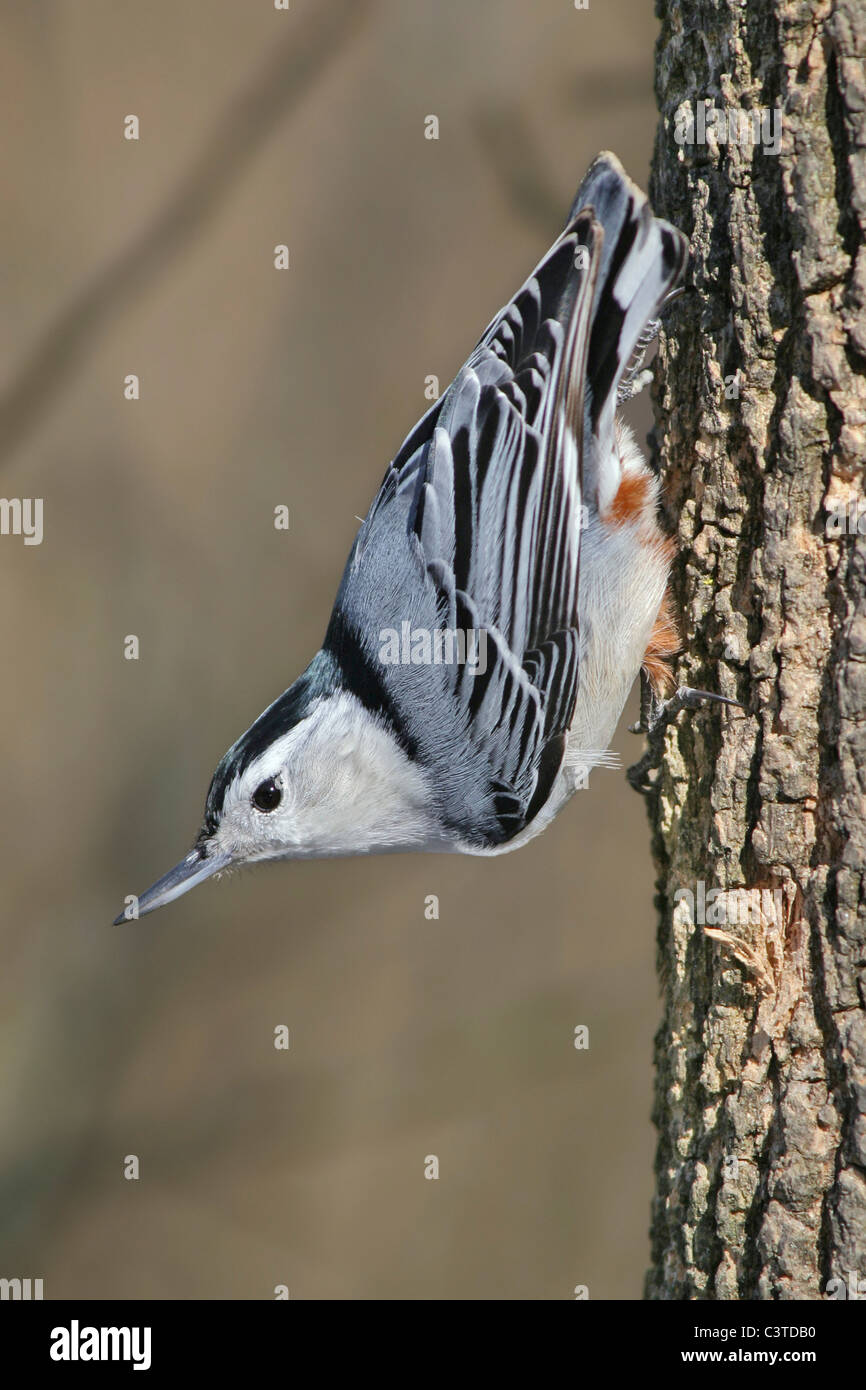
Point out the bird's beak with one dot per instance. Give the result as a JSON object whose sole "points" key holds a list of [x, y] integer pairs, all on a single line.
{"points": [[185, 875]]}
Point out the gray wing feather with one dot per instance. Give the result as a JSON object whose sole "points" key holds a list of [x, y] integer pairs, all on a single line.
{"points": [[476, 528], [476, 525]]}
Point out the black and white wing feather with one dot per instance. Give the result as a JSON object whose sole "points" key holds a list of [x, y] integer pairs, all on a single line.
{"points": [[476, 529]]}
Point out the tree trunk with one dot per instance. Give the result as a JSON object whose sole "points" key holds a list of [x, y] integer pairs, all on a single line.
{"points": [[761, 397]]}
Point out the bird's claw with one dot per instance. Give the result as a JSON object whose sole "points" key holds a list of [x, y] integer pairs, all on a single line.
{"points": [[663, 712], [633, 385], [655, 716]]}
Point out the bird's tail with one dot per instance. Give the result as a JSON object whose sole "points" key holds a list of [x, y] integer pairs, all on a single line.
{"points": [[642, 260]]}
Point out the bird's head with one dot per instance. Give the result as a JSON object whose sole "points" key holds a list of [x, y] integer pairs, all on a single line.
{"points": [[316, 775], [250, 812]]}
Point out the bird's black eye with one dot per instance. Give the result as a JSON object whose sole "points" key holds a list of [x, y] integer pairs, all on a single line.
{"points": [[268, 795]]}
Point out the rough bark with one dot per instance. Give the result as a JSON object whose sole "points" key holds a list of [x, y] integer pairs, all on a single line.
{"points": [[761, 1055]]}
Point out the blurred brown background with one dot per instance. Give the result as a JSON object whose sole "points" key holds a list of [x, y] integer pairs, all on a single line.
{"points": [[408, 1037]]}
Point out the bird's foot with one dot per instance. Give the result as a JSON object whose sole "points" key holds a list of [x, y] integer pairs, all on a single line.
{"points": [[636, 379], [655, 716], [632, 385]]}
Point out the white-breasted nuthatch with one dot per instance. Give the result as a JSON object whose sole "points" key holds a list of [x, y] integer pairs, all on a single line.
{"points": [[519, 516]]}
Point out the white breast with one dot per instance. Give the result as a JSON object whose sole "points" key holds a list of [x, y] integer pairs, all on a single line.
{"points": [[624, 565]]}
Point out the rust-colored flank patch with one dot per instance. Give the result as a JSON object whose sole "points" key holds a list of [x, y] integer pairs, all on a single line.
{"points": [[664, 642], [632, 498]]}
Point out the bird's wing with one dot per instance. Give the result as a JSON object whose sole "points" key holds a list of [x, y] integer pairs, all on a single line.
{"points": [[476, 530]]}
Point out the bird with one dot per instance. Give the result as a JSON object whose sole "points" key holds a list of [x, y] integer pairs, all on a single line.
{"points": [[505, 589]]}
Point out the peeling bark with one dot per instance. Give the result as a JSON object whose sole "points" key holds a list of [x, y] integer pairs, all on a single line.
{"points": [[761, 399]]}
